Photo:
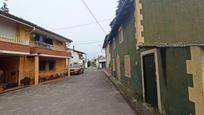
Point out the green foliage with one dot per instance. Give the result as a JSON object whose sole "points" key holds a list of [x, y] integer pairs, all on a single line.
{"points": [[26, 81]]}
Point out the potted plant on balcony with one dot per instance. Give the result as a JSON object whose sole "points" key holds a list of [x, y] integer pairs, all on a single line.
{"points": [[52, 77], [57, 75], [43, 79], [26, 81], [61, 75]]}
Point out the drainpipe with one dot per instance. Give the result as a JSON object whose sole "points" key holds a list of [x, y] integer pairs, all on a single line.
{"points": [[33, 29]]}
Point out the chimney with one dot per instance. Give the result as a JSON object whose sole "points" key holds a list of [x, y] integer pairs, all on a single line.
{"points": [[73, 47]]}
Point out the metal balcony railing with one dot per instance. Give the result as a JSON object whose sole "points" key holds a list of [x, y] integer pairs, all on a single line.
{"points": [[40, 44], [13, 40], [43, 45]]}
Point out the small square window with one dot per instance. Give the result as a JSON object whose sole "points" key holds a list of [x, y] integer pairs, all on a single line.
{"points": [[51, 65], [127, 66], [114, 43], [113, 64], [42, 65]]}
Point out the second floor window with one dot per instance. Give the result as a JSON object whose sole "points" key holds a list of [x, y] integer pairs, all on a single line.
{"points": [[113, 61], [114, 43], [127, 66], [120, 35], [43, 39]]}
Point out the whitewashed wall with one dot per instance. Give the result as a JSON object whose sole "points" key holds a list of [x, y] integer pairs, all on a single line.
{"points": [[7, 28], [108, 56], [75, 58]]}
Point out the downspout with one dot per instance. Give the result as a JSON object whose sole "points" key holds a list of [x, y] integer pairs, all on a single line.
{"points": [[34, 28]]}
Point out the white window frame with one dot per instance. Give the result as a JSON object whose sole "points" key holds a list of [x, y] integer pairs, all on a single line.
{"points": [[118, 67], [144, 53], [120, 35], [114, 43], [113, 60], [127, 62]]}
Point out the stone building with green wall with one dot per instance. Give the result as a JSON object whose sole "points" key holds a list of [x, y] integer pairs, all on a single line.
{"points": [[156, 51]]}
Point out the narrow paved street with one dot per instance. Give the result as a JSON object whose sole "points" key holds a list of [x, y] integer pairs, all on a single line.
{"points": [[88, 94]]}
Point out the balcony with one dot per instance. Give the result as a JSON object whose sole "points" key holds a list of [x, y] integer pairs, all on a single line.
{"points": [[44, 51], [13, 40], [11, 44], [43, 45]]}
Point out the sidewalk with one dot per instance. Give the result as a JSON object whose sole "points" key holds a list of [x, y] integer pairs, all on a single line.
{"points": [[139, 107]]}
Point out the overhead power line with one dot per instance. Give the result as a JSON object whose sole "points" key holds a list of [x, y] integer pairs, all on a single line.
{"points": [[81, 25], [93, 42], [92, 14]]}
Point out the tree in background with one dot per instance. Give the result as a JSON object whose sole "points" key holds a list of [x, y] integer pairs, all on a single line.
{"points": [[4, 8], [89, 63]]}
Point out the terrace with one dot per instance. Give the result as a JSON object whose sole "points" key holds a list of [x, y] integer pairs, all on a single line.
{"points": [[13, 40]]}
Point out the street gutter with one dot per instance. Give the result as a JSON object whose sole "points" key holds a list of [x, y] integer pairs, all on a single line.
{"points": [[139, 107]]}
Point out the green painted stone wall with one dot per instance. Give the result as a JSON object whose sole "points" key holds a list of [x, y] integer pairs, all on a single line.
{"points": [[173, 21], [174, 79], [175, 83], [128, 47]]}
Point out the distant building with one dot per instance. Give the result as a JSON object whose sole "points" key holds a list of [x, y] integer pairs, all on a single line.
{"points": [[101, 62], [78, 57]]}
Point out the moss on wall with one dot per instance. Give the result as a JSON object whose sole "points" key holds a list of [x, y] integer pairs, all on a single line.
{"points": [[175, 81], [128, 47], [173, 21]]}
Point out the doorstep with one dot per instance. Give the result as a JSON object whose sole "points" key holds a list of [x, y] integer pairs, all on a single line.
{"points": [[51, 81], [139, 107]]}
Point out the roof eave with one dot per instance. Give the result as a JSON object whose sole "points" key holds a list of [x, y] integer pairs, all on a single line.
{"points": [[32, 25], [116, 24]]}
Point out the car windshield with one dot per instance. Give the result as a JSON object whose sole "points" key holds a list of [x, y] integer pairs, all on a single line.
{"points": [[75, 65]]}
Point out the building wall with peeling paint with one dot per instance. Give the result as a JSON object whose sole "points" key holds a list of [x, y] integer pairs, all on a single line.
{"points": [[174, 78], [175, 81], [172, 21], [127, 47]]}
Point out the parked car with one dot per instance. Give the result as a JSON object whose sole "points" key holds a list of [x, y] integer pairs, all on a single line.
{"points": [[76, 69]]}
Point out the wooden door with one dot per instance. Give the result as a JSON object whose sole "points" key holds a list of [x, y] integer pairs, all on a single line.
{"points": [[150, 84]]}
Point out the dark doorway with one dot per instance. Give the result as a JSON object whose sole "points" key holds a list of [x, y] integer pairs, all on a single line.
{"points": [[103, 64], [9, 71], [150, 84]]}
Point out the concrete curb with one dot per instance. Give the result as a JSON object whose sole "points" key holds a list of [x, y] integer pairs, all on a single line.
{"points": [[22, 87], [51, 81], [14, 89], [140, 108]]}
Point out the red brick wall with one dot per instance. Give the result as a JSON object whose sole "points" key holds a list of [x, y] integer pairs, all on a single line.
{"points": [[35, 50], [14, 47]]}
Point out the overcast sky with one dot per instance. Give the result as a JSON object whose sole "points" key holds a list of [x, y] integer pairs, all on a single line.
{"points": [[64, 16]]}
